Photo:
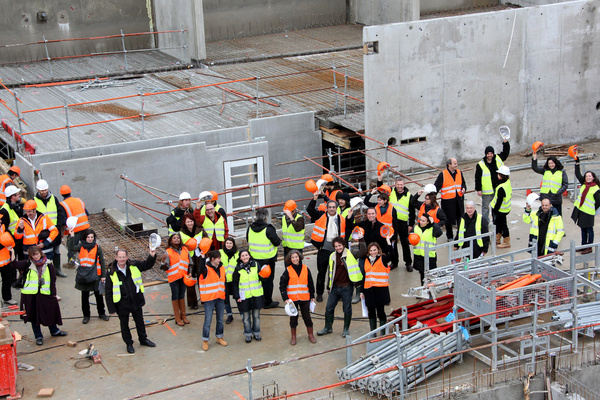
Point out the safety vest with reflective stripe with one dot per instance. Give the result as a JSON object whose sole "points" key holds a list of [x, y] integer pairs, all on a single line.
{"points": [[89, 258], [351, 265], [376, 274], [588, 206], [432, 212], [30, 233], [297, 287], [229, 264], [385, 218], [426, 237], [533, 219], [260, 246], [203, 209], [4, 257], [178, 264], [401, 205], [319, 228], [345, 213], [487, 187], [212, 286], [50, 209], [551, 182], [462, 229], [4, 181], [450, 186], [249, 283], [76, 208], [185, 238], [218, 229], [136, 276], [12, 227], [556, 231], [505, 207], [291, 238], [32, 284], [171, 230]]}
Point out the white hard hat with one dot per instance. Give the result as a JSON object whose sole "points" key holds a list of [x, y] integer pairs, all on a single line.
{"points": [[185, 196], [355, 201], [71, 222], [504, 170], [205, 195], [41, 185], [10, 190], [531, 198], [154, 241], [291, 310], [429, 188], [321, 183]]}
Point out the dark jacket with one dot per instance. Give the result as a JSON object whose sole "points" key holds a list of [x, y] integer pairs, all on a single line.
{"points": [[253, 303], [285, 278], [271, 232], [5, 218], [75, 247], [130, 300], [584, 220], [555, 198], [315, 215], [368, 203], [453, 208], [441, 215], [372, 232], [61, 219], [411, 208], [491, 166], [470, 231]]}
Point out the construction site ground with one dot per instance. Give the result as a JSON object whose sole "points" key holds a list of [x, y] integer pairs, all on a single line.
{"points": [[219, 373]]}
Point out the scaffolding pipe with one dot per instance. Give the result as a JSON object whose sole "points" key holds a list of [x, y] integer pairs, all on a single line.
{"points": [[140, 208], [334, 174], [135, 184], [9, 91]]}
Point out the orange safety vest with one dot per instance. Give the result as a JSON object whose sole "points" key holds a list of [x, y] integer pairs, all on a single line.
{"points": [[4, 257], [451, 187], [377, 274], [386, 218], [212, 286], [318, 233], [297, 288], [432, 212], [76, 208], [88, 258], [178, 264], [4, 181], [30, 233]]}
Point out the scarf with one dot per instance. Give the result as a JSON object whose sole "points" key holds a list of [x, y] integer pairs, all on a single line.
{"points": [[585, 191], [40, 263], [229, 252], [373, 259], [88, 246]]}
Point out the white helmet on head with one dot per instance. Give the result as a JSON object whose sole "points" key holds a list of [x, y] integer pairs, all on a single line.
{"points": [[185, 196], [504, 170], [429, 188], [205, 195], [41, 185], [10, 190]]}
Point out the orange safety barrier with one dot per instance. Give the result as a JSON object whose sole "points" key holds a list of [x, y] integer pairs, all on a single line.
{"points": [[509, 284]]}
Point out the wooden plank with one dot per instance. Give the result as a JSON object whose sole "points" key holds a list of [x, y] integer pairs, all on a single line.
{"points": [[334, 139]]}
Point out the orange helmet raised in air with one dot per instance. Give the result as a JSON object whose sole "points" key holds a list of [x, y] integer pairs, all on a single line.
{"points": [[573, 151], [30, 205], [327, 177], [385, 189], [191, 244], [322, 207], [414, 239], [7, 240], [386, 231], [205, 245], [358, 233], [265, 271], [536, 146], [290, 205], [65, 189], [311, 186], [382, 166], [215, 196]]}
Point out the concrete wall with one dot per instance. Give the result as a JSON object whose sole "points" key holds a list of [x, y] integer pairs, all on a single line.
{"points": [[70, 19], [455, 81], [181, 14]]}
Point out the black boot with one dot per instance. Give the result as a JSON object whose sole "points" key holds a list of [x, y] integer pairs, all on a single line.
{"points": [[347, 320], [373, 325], [328, 325], [58, 267], [382, 322]]}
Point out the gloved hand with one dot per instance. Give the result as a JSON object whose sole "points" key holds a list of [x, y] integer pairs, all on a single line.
{"points": [[553, 246]]}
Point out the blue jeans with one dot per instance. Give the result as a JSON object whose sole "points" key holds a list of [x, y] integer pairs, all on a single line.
{"points": [[252, 323], [340, 293], [37, 330], [209, 306], [178, 290]]}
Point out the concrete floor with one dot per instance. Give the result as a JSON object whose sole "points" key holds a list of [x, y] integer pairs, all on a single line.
{"points": [[178, 358]]}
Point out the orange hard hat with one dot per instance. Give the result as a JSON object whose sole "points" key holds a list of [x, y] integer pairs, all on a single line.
{"points": [[573, 151], [536, 145], [322, 207], [327, 177], [333, 195], [205, 244], [385, 189], [382, 166], [358, 232], [215, 196], [7, 240], [15, 169], [30, 205], [386, 231], [310, 185], [191, 244], [189, 281], [290, 205], [414, 239], [265, 271], [65, 189]]}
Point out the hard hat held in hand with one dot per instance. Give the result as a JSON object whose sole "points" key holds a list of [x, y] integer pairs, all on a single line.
{"points": [[205, 195], [265, 271], [290, 205], [7, 240], [311, 186], [429, 188], [154, 241], [358, 233], [386, 231], [327, 178], [505, 132], [573, 151], [384, 189], [290, 309], [536, 146], [532, 198], [414, 239], [382, 166], [321, 184], [204, 245], [355, 201], [189, 281], [191, 244], [71, 222]]}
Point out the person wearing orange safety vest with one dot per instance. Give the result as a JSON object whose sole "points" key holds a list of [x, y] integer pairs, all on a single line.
{"points": [[6, 180], [249, 294], [36, 229], [387, 215], [7, 271], [90, 256], [296, 286], [49, 205], [451, 186], [74, 207], [329, 225], [176, 262], [214, 225], [375, 286], [429, 206], [211, 280], [125, 295]]}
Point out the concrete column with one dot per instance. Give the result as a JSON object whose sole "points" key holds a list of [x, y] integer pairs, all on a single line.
{"points": [[410, 10], [198, 52]]}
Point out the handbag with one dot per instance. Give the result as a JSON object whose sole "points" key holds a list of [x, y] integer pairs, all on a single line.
{"points": [[20, 282], [87, 275]]}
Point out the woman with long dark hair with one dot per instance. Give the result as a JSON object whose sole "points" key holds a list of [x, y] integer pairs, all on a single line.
{"points": [[229, 258], [375, 287], [176, 262], [586, 205], [190, 230], [555, 181], [249, 294]]}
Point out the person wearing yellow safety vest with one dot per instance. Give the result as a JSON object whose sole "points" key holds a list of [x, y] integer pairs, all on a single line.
{"points": [[229, 258], [554, 182], [90, 256], [428, 231], [292, 228], [74, 207], [6, 180], [586, 205], [547, 227], [375, 286], [501, 205], [262, 242], [451, 185], [344, 274], [213, 200], [125, 295], [211, 280], [176, 263], [249, 294], [214, 225], [184, 206], [190, 230], [486, 178], [10, 213], [296, 286], [49, 205], [36, 229], [472, 224], [7, 269], [38, 295]]}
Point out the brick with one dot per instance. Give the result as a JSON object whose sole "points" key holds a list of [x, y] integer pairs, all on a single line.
{"points": [[72, 343], [46, 392]]}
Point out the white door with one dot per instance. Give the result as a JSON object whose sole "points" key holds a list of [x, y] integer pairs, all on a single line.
{"points": [[243, 174]]}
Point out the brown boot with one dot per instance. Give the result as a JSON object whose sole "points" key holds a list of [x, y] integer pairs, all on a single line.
{"points": [[506, 243], [293, 340], [178, 320], [498, 238], [311, 337], [182, 311]]}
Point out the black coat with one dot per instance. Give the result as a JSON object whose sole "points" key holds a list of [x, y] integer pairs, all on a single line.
{"points": [[42, 309], [130, 300], [376, 296], [584, 220], [470, 231], [453, 208]]}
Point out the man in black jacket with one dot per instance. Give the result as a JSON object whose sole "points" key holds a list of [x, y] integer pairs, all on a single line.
{"points": [[470, 225], [125, 295], [486, 178]]}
